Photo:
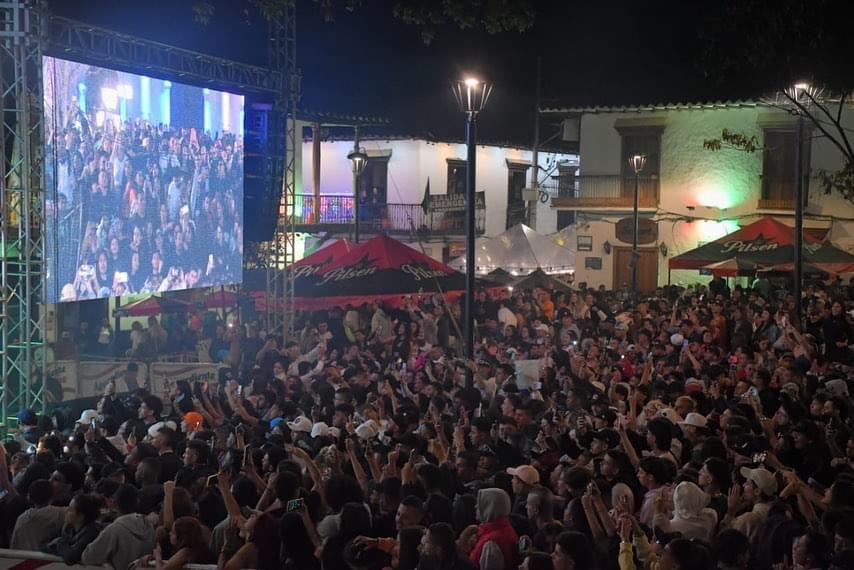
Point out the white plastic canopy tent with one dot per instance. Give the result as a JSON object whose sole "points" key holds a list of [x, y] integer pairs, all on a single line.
{"points": [[520, 250]]}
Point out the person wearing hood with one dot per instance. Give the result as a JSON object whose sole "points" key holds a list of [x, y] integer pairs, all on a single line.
{"points": [[128, 538], [691, 516], [495, 548]]}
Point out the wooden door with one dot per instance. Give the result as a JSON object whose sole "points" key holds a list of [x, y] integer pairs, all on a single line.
{"points": [[647, 268]]}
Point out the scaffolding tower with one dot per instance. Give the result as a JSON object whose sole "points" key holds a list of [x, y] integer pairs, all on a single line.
{"points": [[22, 221], [280, 280]]}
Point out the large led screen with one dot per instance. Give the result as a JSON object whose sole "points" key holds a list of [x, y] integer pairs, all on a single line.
{"points": [[144, 187]]}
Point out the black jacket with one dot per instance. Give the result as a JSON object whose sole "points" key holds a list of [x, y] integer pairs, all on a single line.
{"points": [[70, 545]]}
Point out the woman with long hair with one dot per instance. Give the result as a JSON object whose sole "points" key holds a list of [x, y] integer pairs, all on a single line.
{"points": [[187, 537]]}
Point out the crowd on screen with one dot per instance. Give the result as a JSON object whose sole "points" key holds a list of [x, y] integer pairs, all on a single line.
{"points": [[694, 429], [142, 208]]}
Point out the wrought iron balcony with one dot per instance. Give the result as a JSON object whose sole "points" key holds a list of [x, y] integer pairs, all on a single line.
{"points": [[336, 215], [602, 191]]}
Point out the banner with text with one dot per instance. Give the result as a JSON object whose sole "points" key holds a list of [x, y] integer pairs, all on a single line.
{"points": [[164, 375], [65, 373], [93, 377]]}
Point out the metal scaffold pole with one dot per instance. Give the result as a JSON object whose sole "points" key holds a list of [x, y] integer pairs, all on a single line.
{"points": [[22, 34], [282, 165]]}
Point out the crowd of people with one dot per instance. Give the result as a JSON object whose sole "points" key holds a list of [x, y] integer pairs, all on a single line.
{"points": [[141, 208], [697, 428]]}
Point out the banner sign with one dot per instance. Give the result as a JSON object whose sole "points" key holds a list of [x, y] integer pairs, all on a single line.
{"points": [[164, 375], [454, 202], [93, 377], [65, 373]]}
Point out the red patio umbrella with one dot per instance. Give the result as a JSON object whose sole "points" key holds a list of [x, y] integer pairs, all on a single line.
{"points": [[380, 269], [733, 267], [153, 305]]}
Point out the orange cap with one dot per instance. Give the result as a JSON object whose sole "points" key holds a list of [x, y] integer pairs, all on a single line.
{"points": [[193, 419]]}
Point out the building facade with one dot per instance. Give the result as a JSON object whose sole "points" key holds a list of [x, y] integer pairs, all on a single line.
{"points": [[688, 194], [393, 186]]}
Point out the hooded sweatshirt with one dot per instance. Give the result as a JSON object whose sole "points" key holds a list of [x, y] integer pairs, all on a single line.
{"points": [[691, 518], [121, 542], [494, 534]]}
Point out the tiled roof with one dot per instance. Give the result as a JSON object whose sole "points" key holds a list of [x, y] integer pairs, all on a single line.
{"points": [[738, 104]]}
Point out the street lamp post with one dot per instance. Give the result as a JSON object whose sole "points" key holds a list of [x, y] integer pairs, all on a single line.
{"points": [[803, 94], [359, 159], [471, 95], [637, 163]]}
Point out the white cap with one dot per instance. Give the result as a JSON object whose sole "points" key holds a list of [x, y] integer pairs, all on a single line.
{"points": [[762, 478], [87, 416], [301, 424], [152, 431], [677, 339], [320, 429], [694, 419], [367, 430]]}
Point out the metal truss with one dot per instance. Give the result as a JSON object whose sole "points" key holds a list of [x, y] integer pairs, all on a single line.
{"points": [[22, 222], [280, 281], [70, 39]]}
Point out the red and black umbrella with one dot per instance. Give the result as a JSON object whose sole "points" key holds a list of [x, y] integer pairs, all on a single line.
{"points": [[380, 269]]}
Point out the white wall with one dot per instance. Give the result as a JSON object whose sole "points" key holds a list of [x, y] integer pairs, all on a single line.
{"points": [[413, 161], [722, 187]]}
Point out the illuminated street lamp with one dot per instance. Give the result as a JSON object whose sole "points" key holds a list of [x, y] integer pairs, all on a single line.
{"points": [[637, 163], [803, 95], [472, 95], [359, 159]]}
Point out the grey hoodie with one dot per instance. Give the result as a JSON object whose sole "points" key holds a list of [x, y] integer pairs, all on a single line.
{"points": [[492, 504], [121, 542]]}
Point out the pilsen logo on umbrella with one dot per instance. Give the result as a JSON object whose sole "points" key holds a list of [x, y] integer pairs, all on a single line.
{"points": [[365, 267], [307, 270], [420, 272], [362, 268], [739, 246]]}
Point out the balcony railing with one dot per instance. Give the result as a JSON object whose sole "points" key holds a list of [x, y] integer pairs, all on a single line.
{"points": [[602, 191], [337, 210]]}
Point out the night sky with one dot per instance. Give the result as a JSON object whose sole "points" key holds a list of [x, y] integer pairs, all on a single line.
{"points": [[605, 52]]}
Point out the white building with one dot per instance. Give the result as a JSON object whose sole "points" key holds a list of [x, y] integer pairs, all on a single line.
{"points": [[689, 195], [394, 182]]}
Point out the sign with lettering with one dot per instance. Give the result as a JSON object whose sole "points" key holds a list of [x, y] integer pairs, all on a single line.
{"points": [[647, 230], [65, 373], [420, 272], [454, 202], [363, 268], [164, 375], [594, 263], [93, 377], [758, 245]]}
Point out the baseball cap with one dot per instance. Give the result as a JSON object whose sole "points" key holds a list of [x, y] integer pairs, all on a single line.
{"points": [[367, 430], [152, 431], [276, 421], [837, 387], [320, 429], [302, 424], [27, 417], [694, 419], [526, 473], [193, 419], [676, 339], [87, 416], [762, 478]]}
